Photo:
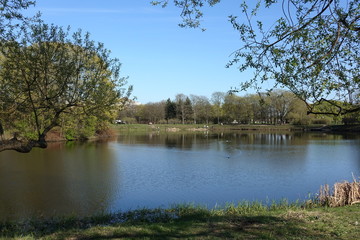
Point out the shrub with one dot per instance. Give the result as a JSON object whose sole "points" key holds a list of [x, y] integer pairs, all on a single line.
{"points": [[342, 194]]}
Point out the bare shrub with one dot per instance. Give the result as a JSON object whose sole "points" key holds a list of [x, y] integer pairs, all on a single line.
{"points": [[345, 193]]}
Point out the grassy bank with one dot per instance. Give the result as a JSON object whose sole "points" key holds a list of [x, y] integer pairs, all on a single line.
{"points": [[245, 221], [312, 219]]}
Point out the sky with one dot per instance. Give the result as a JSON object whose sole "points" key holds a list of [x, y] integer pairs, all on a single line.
{"points": [[160, 58]]}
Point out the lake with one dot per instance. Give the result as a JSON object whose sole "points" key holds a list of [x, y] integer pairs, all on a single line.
{"points": [[159, 170]]}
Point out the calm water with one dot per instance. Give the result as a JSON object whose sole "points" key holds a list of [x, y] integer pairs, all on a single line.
{"points": [[159, 170]]}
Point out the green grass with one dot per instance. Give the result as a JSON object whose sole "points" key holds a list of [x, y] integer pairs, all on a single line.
{"points": [[244, 221]]}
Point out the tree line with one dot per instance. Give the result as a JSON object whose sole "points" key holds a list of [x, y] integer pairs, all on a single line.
{"points": [[276, 107]]}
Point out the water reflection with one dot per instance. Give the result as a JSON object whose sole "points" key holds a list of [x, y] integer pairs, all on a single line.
{"points": [[160, 169], [59, 180], [189, 141]]}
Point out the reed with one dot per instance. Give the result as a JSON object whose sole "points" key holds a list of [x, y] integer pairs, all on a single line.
{"points": [[344, 193]]}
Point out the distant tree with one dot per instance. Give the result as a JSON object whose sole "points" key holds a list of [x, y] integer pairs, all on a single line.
{"points": [[183, 107], [142, 114], [299, 114], [282, 102], [128, 111], [47, 74], [170, 110], [312, 48], [195, 106], [231, 108], [217, 99], [188, 110], [201, 108], [254, 108], [153, 112], [158, 111], [180, 107], [248, 114], [269, 108]]}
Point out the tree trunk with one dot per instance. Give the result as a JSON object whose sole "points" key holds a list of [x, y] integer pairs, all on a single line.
{"points": [[21, 146]]}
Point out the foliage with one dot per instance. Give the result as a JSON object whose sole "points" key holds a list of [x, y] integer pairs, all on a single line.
{"points": [[353, 118], [11, 17], [48, 75], [183, 107], [188, 109], [313, 49], [190, 10], [217, 99], [309, 50], [129, 110], [201, 108], [170, 110], [276, 107], [152, 112], [299, 116], [79, 127]]}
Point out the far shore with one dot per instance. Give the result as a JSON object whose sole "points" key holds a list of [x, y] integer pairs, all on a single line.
{"points": [[117, 129], [114, 130], [243, 127]]}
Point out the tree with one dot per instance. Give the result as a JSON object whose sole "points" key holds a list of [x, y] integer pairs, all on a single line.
{"points": [[183, 107], [232, 108], [128, 112], [283, 103], [152, 112], [170, 110], [201, 108], [312, 49], [11, 17], [188, 110], [49, 74], [190, 10], [299, 114], [217, 99]]}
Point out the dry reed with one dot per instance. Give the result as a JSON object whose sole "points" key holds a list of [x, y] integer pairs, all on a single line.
{"points": [[345, 193]]}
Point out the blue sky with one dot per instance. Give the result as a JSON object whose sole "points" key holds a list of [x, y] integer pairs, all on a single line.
{"points": [[160, 58]]}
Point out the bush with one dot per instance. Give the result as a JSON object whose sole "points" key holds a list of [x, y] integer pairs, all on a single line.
{"points": [[351, 120], [345, 193], [81, 128], [129, 120], [323, 121], [25, 130]]}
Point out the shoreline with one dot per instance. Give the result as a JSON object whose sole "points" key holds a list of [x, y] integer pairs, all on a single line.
{"points": [[130, 128], [114, 130], [243, 221]]}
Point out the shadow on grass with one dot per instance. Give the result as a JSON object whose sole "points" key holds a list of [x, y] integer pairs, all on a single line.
{"points": [[194, 225], [260, 227]]}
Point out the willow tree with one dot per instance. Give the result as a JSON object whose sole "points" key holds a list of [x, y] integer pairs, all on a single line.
{"points": [[49, 74], [311, 47]]}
